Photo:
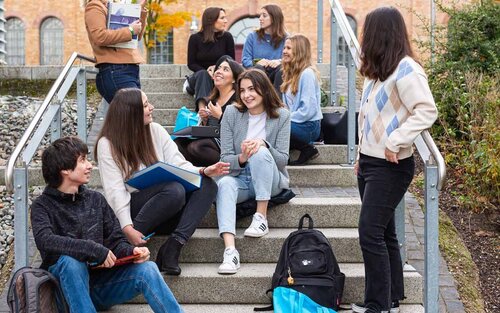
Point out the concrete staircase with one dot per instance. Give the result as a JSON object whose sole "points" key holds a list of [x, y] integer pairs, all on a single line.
{"points": [[200, 288]]}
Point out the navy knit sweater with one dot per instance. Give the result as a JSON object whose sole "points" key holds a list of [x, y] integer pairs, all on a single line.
{"points": [[82, 226]]}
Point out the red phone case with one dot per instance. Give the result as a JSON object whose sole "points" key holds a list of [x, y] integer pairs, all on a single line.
{"points": [[127, 259]]}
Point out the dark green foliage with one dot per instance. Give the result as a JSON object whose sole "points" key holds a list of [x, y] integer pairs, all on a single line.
{"points": [[464, 79]]}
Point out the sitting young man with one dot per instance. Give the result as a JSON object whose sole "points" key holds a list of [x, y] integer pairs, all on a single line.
{"points": [[74, 229]]}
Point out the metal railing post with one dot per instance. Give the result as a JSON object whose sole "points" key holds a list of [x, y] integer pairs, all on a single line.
{"points": [[55, 126], [431, 234], [399, 219], [21, 216], [351, 110], [81, 101], [3, 42], [333, 59], [320, 31]]}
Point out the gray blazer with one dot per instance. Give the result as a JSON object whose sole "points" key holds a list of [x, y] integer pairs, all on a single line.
{"points": [[234, 128]]}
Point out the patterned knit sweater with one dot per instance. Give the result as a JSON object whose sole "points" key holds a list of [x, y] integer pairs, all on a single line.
{"points": [[394, 112]]}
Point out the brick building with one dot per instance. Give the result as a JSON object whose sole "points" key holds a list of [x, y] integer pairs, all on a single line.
{"points": [[48, 31]]}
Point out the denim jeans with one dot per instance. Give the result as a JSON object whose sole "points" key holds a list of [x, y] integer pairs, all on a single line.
{"points": [[112, 77], [259, 179], [382, 185], [303, 134], [167, 208], [90, 290]]}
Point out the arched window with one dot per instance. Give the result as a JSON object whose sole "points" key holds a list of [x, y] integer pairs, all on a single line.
{"points": [[240, 31], [163, 52], [343, 48], [51, 42], [15, 41]]}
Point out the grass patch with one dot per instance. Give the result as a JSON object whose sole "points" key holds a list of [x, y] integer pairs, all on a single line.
{"points": [[460, 264]]}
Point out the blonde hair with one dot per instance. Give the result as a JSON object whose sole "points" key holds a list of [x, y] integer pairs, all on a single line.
{"points": [[301, 60]]}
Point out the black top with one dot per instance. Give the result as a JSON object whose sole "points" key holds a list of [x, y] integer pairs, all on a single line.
{"points": [[201, 54], [82, 226], [212, 121]]}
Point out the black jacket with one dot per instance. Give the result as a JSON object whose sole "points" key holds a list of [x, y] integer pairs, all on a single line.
{"points": [[82, 226]]}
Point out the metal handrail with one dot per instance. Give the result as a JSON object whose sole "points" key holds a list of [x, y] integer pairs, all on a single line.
{"points": [[436, 157], [9, 170]]}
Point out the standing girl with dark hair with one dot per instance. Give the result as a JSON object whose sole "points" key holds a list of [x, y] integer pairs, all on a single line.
{"points": [[255, 136], [396, 106], [204, 49], [301, 93], [264, 47], [129, 141], [206, 151]]}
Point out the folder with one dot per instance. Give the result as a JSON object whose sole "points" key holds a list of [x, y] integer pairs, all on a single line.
{"points": [[198, 132], [161, 172]]}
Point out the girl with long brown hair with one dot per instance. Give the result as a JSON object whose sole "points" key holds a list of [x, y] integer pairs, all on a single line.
{"points": [[301, 94], [204, 49], [130, 141], [396, 106], [255, 137], [263, 48]]}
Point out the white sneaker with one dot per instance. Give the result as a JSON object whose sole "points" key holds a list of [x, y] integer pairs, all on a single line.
{"points": [[231, 262], [258, 228]]}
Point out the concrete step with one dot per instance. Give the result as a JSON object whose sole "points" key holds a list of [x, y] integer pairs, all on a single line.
{"points": [[170, 100], [200, 283], [206, 246], [326, 213], [306, 175], [328, 154], [232, 308]]}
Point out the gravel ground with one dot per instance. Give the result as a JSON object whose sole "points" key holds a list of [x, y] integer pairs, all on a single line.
{"points": [[15, 115]]}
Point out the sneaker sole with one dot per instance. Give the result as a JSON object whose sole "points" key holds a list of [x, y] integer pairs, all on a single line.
{"points": [[256, 235], [228, 272], [360, 309]]}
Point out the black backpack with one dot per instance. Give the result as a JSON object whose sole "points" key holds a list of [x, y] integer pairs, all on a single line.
{"points": [[35, 290], [307, 264]]}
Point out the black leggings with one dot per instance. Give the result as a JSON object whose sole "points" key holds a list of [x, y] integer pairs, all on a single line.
{"points": [[200, 152], [167, 208]]}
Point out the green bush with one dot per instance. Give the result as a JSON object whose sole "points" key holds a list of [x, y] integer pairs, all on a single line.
{"points": [[464, 79]]}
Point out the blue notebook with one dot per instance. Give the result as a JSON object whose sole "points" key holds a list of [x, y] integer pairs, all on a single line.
{"points": [[163, 172]]}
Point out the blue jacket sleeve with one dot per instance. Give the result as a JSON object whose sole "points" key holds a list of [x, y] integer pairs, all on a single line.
{"points": [[247, 56], [307, 101]]}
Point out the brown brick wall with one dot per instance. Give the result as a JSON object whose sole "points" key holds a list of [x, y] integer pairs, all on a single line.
{"points": [[300, 16]]}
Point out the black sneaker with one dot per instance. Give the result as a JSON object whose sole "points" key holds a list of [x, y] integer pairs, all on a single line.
{"points": [[360, 308], [309, 153]]}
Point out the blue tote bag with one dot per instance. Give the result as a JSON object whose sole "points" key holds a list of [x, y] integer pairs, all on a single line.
{"points": [[288, 300], [185, 118]]}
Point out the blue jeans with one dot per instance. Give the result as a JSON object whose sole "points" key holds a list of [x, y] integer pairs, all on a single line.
{"points": [[303, 134], [259, 179], [382, 185], [88, 291], [112, 77]]}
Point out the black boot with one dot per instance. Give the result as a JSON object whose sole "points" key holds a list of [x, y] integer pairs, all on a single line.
{"points": [[168, 257], [308, 153]]}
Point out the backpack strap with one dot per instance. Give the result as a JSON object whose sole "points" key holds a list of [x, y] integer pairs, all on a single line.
{"points": [[266, 308], [301, 222]]}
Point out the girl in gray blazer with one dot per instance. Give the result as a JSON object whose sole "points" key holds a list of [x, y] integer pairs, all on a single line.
{"points": [[255, 138]]}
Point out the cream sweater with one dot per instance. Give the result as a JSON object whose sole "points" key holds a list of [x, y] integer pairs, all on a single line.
{"points": [[117, 193], [394, 112]]}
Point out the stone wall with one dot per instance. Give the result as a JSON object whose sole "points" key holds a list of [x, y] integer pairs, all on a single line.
{"points": [[300, 16]]}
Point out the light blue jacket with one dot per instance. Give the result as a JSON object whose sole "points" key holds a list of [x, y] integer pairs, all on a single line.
{"points": [[255, 48], [234, 128], [306, 104]]}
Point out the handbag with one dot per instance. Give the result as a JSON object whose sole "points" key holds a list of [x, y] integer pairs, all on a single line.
{"points": [[288, 300], [334, 128], [249, 207], [185, 118]]}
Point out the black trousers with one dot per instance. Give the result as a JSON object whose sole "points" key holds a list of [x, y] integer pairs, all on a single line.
{"points": [[168, 209], [382, 185], [201, 83]]}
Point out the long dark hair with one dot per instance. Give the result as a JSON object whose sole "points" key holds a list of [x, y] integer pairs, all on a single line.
{"points": [[236, 69], [385, 43], [131, 141], [208, 19], [278, 32], [264, 88]]}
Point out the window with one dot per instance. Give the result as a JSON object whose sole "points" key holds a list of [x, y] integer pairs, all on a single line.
{"points": [[163, 52], [242, 28], [343, 48], [15, 41], [51, 42]]}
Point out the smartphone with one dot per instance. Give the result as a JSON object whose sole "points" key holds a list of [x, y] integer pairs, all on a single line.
{"points": [[148, 236]]}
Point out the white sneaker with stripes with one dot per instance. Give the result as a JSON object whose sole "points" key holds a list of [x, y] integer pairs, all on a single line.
{"points": [[231, 262], [258, 228]]}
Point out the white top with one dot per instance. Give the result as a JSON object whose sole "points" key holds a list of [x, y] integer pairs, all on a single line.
{"points": [[117, 193], [257, 126], [394, 112]]}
